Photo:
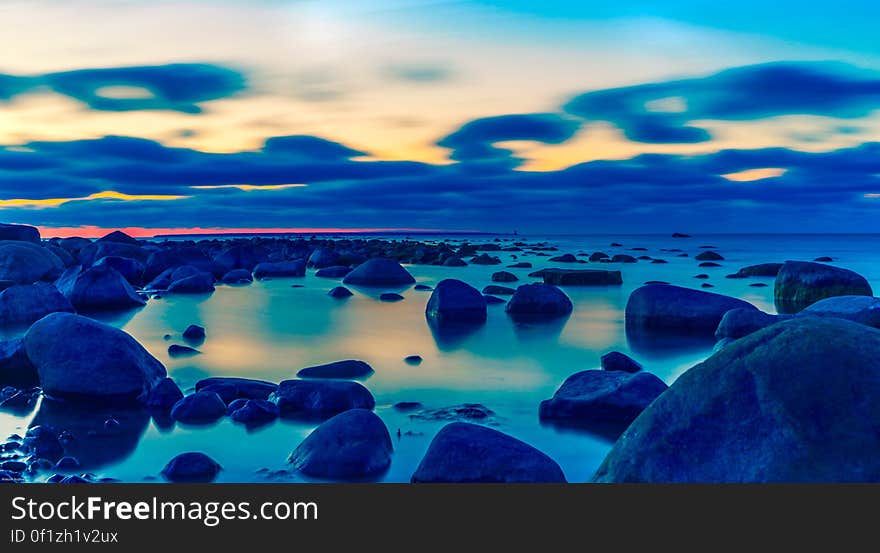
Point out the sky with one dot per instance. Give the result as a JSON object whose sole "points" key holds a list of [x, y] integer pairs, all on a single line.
{"points": [[471, 115]]}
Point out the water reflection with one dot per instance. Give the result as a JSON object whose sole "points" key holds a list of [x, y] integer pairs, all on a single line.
{"points": [[533, 329], [654, 344], [450, 336]]}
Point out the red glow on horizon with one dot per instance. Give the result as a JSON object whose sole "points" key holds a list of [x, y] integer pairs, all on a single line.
{"points": [[141, 232]]}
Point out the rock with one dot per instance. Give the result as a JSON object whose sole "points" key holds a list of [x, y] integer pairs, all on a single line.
{"points": [[67, 464], [118, 236], [499, 290], [91, 253], [616, 361], [320, 398], [701, 276], [709, 264], [255, 412], [540, 301], [485, 259], [42, 442], [66, 258], [340, 292], [663, 307], [176, 350], [708, 256], [707, 285], [24, 304], [338, 271], [160, 261], [191, 467], [322, 258], [379, 271], [658, 261], [199, 408], [231, 388], [25, 263], [164, 395], [22, 233], [565, 258], [239, 256], [15, 366], [349, 369], [407, 405], [823, 259], [422, 288], [456, 301], [761, 270], [740, 322], [493, 300], [595, 397], [353, 444], [200, 283], [466, 411], [520, 265], [413, 359], [789, 403], [504, 276], [680, 235], [194, 334], [464, 452], [454, 261], [98, 288], [801, 283], [237, 276], [280, 269], [581, 277], [390, 297], [861, 309], [758, 285], [599, 256], [131, 270], [80, 358], [623, 258]]}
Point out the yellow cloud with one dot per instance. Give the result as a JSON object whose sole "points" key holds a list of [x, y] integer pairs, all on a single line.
{"points": [[755, 174], [249, 187], [107, 195]]}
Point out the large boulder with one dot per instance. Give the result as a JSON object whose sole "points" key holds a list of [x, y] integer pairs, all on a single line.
{"points": [[199, 283], [199, 408], [349, 368], [280, 269], [465, 452], [97, 288], [24, 263], [861, 309], [379, 271], [802, 283], [239, 256], [131, 270], [80, 358], [24, 304], [664, 307], [320, 399], [169, 258], [119, 237], [22, 233], [581, 277], [15, 366], [334, 271], [322, 257], [539, 301], [232, 388], [456, 301], [602, 397], [191, 467], [740, 322], [794, 402], [96, 250], [237, 276], [616, 361], [353, 444]]}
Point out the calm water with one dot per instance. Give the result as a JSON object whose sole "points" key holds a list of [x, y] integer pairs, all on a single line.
{"points": [[269, 330]]}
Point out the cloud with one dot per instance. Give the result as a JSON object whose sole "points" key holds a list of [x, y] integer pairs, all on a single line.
{"points": [[744, 93], [420, 73], [175, 87]]}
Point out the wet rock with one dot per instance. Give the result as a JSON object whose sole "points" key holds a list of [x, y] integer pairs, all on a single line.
{"points": [[79, 358], [494, 289], [581, 277], [280, 269], [41, 441], [758, 285], [485, 259], [737, 323], [22, 233], [322, 258], [199, 408], [463, 452], [663, 307], [801, 283], [454, 261], [200, 283], [239, 257], [709, 256], [701, 276], [348, 369], [191, 467], [861, 309], [565, 258], [24, 304], [422, 288], [390, 297], [353, 444], [623, 258], [237, 276], [599, 256], [119, 237], [539, 301], [98, 288], [760, 270], [407, 405], [255, 412], [320, 399], [379, 271], [504, 276], [338, 271], [164, 395], [340, 292], [232, 388], [413, 359], [160, 261], [823, 259], [520, 265], [616, 361], [456, 301], [709, 264], [707, 285], [25, 263], [680, 235], [465, 411], [194, 334], [789, 403], [177, 350]]}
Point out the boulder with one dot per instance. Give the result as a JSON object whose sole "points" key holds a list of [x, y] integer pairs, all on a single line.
{"points": [[254, 412], [861, 309], [336, 271], [800, 284], [95, 251], [379, 271], [170, 258], [465, 452], [164, 395], [564, 258], [280, 269], [66, 258], [761, 270], [80, 358], [232, 388], [194, 333], [118, 236], [353, 444], [348, 369], [663, 307], [200, 283], [616, 361], [599, 256], [602, 397], [25, 263], [485, 259], [455, 301], [24, 304], [540, 301], [740, 322], [340, 292], [191, 467], [199, 408], [23, 233], [239, 256], [623, 258], [237, 276], [177, 350], [454, 261], [98, 288], [709, 256], [390, 297], [322, 258], [520, 265], [15, 366], [581, 277], [504, 276], [131, 270], [320, 399], [793, 402]]}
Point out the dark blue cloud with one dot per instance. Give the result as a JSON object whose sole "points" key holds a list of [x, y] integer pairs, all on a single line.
{"points": [[175, 87], [744, 93], [309, 147]]}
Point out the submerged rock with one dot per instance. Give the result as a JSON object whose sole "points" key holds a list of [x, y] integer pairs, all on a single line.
{"points": [[353, 444], [454, 261], [539, 301], [348, 369], [320, 398], [191, 467], [623, 258], [860, 309], [789, 403], [413, 359], [80, 358], [199, 408], [340, 292], [581, 277], [494, 300], [466, 411], [232, 388], [485, 259], [761, 270], [464, 452], [564, 258], [98, 288], [255, 412], [280, 269], [456, 301], [616, 361], [663, 307], [422, 288], [379, 271], [24, 304], [802, 283], [390, 297], [504, 276]]}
